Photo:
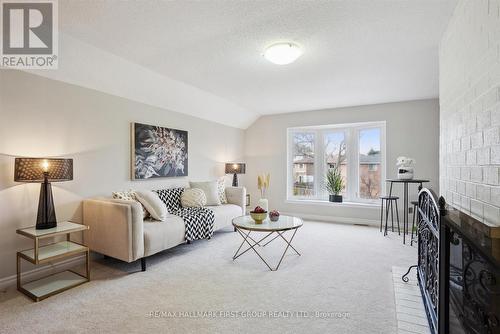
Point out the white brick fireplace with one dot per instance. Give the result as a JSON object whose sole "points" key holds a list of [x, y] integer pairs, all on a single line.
{"points": [[469, 60]]}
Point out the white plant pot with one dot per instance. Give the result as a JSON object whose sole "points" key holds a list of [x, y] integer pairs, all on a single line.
{"points": [[405, 173]]}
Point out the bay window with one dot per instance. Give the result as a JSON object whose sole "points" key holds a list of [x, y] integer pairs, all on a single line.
{"points": [[357, 149]]}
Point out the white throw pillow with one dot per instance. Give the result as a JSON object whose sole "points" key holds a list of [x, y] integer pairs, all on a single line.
{"points": [[124, 195], [221, 190], [150, 200], [193, 198], [210, 190], [130, 196]]}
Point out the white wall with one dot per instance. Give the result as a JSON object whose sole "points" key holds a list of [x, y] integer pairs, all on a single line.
{"points": [[43, 117], [412, 130], [469, 62]]}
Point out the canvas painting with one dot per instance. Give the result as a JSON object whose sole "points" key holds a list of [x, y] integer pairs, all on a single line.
{"points": [[158, 152]]}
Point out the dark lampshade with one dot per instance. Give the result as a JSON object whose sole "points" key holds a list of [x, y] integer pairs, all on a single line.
{"points": [[235, 168], [32, 169]]}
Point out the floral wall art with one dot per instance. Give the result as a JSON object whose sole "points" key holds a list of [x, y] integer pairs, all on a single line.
{"points": [[158, 152]]}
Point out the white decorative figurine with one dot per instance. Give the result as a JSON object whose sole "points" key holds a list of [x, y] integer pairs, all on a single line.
{"points": [[405, 168]]}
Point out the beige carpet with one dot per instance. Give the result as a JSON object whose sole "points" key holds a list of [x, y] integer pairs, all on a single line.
{"points": [[344, 271]]}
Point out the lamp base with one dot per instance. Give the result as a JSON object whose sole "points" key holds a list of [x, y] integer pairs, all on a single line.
{"points": [[45, 226], [235, 180], [46, 217]]}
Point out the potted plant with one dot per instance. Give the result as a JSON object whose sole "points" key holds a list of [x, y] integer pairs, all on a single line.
{"points": [[334, 184]]}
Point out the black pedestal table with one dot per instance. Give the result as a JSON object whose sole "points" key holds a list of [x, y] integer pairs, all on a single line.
{"points": [[405, 199]]}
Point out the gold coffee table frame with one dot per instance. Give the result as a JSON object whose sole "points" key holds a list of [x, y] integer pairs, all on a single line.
{"points": [[50, 285], [245, 225]]}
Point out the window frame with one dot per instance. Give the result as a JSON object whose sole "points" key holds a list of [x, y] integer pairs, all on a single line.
{"points": [[290, 180], [351, 135]]}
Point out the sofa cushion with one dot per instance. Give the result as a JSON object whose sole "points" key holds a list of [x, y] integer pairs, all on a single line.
{"points": [[210, 190], [171, 197], [153, 204], [164, 235], [224, 214], [221, 189], [130, 196], [193, 198]]}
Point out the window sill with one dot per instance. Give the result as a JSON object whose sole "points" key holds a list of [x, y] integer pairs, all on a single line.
{"points": [[327, 203]]}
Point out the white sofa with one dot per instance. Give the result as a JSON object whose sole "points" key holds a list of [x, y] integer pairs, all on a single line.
{"points": [[118, 230]]}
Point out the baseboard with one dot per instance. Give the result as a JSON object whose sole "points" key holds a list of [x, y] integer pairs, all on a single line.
{"points": [[335, 219], [41, 271]]}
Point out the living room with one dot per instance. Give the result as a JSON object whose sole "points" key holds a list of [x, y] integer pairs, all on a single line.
{"points": [[248, 166]]}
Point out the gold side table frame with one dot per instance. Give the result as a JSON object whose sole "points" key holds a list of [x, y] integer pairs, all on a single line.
{"points": [[53, 284]]}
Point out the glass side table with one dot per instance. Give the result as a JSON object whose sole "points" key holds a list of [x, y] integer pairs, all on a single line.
{"points": [[53, 284], [284, 224]]}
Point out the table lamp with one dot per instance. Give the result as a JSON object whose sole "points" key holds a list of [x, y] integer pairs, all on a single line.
{"points": [[235, 169], [44, 171]]}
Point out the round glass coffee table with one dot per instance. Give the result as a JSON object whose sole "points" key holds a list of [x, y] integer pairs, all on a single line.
{"points": [[245, 225]]}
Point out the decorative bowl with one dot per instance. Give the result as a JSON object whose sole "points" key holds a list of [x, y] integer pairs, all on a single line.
{"points": [[258, 216], [274, 218]]}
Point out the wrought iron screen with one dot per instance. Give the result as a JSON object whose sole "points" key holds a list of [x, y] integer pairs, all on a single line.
{"points": [[428, 255]]}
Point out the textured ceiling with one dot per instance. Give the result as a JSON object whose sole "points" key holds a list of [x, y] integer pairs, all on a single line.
{"points": [[355, 52]]}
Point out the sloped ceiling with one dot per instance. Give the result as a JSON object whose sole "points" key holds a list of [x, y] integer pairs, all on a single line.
{"points": [[209, 53]]}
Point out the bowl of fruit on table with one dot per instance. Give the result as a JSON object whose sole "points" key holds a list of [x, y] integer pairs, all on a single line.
{"points": [[258, 214], [274, 215]]}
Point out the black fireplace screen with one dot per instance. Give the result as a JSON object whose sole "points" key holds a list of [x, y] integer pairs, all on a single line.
{"points": [[458, 269], [428, 255]]}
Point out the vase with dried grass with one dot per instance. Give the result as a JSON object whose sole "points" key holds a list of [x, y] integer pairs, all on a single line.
{"points": [[263, 185]]}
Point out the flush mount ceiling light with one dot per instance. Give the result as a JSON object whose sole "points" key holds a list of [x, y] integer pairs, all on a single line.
{"points": [[282, 53]]}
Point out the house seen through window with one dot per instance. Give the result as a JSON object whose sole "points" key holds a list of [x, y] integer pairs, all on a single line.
{"points": [[356, 149]]}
